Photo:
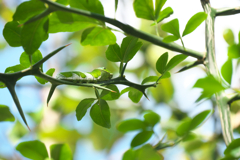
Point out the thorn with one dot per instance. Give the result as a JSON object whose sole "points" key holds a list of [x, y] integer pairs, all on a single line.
{"points": [[68, 44], [146, 96], [20, 25], [28, 128], [113, 91]]}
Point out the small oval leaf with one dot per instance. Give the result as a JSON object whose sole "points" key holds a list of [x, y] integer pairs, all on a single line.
{"points": [[82, 107], [100, 113], [194, 22], [141, 138], [199, 119], [33, 150], [131, 125], [162, 62], [227, 70], [151, 118]]}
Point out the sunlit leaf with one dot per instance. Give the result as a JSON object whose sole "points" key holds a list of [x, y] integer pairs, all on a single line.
{"points": [[165, 14], [150, 79], [82, 107], [175, 61], [209, 85], [100, 113], [61, 152], [15, 68], [170, 38], [194, 22], [233, 149], [141, 138], [97, 36], [33, 150], [144, 9], [135, 95], [158, 6], [129, 48], [69, 22], [113, 53], [233, 51], [12, 33], [227, 71], [228, 36], [28, 9], [131, 125], [151, 117], [33, 34], [107, 95], [162, 62], [147, 152], [172, 27], [184, 126], [5, 114], [129, 155], [94, 6], [200, 119]]}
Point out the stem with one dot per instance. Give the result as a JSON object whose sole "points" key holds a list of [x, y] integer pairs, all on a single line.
{"points": [[128, 30], [227, 11], [211, 65]]}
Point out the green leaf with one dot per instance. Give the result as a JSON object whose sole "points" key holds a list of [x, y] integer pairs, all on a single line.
{"points": [[227, 71], [83, 106], [135, 95], [15, 68], [94, 6], [233, 51], [2, 85], [125, 90], [33, 34], [175, 61], [150, 79], [162, 62], [129, 155], [61, 21], [209, 85], [144, 9], [228, 36], [147, 152], [172, 27], [194, 22], [113, 53], [183, 128], [107, 95], [97, 36], [63, 2], [170, 38], [165, 14], [199, 119], [11, 33], [116, 5], [129, 48], [131, 125], [50, 72], [151, 118], [61, 152], [5, 114], [233, 149], [100, 113], [158, 6], [33, 150], [28, 9], [24, 58], [141, 138]]}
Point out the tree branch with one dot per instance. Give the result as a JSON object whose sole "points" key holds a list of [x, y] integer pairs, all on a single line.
{"points": [[211, 65], [127, 29], [227, 11]]}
